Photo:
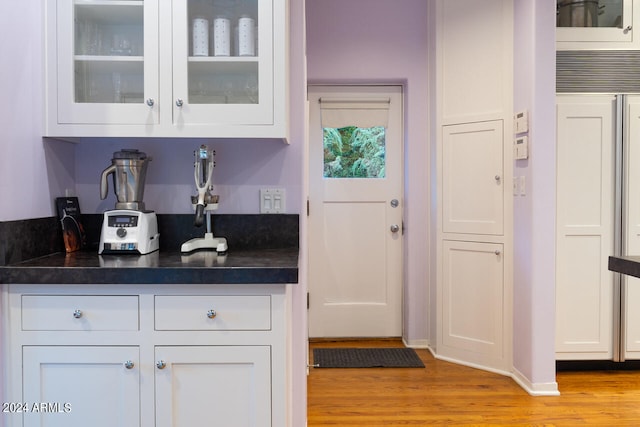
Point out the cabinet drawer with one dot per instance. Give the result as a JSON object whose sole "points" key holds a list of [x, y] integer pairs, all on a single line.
{"points": [[79, 313], [216, 313]]}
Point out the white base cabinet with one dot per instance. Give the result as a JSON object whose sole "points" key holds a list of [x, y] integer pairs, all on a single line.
{"points": [[77, 385], [226, 385], [473, 301], [217, 356]]}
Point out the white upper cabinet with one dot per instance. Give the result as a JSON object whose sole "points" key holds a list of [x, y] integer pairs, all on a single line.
{"points": [[186, 68], [475, 60], [603, 24]]}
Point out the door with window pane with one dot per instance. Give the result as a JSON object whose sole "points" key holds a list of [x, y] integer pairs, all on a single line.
{"points": [[355, 218]]}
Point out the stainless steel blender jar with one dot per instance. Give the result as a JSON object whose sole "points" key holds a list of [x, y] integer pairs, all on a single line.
{"points": [[129, 228]]}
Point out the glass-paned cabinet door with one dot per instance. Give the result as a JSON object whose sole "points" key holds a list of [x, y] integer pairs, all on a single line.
{"points": [[594, 20], [223, 62], [107, 61]]}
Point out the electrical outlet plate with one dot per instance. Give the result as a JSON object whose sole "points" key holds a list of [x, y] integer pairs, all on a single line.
{"points": [[272, 200]]}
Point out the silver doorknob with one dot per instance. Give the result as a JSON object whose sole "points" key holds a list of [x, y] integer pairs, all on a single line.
{"points": [[128, 364], [150, 102], [77, 314], [179, 102], [394, 228], [211, 314], [161, 364]]}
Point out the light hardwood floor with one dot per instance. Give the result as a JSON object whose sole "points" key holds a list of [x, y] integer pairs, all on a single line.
{"points": [[449, 394]]}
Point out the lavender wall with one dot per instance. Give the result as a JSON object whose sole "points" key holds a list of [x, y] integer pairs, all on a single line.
{"points": [[242, 168], [382, 41], [534, 214], [31, 172]]}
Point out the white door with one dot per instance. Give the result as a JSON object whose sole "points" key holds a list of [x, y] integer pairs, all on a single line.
{"points": [[213, 385], [584, 235], [631, 287], [472, 178], [473, 301], [81, 386], [355, 215]]}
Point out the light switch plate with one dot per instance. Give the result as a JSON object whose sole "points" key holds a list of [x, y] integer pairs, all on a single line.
{"points": [[272, 200]]}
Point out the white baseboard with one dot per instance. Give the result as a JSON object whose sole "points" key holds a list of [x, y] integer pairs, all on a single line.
{"points": [[535, 389], [416, 343]]}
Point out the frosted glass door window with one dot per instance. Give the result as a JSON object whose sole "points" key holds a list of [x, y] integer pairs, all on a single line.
{"points": [[108, 52], [354, 152], [223, 65]]}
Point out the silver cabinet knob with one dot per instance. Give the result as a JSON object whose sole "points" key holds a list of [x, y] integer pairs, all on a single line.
{"points": [[394, 203], [497, 252], [77, 314], [129, 364], [179, 102], [211, 314], [497, 178], [150, 102], [394, 228], [161, 364]]}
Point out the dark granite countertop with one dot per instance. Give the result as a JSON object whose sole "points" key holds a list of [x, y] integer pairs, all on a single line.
{"points": [[629, 265], [263, 266]]}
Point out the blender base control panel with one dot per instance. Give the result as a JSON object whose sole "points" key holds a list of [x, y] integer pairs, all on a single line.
{"points": [[123, 221], [129, 231]]}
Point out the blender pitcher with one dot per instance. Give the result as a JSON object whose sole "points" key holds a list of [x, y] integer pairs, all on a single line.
{"points": [[129, 169]]}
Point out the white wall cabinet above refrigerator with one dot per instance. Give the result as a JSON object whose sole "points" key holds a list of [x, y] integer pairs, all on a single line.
{"points": [[151, 68], [592, 25]]}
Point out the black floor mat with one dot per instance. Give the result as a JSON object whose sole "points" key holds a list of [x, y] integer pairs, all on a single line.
{"points": [[366, 358]]}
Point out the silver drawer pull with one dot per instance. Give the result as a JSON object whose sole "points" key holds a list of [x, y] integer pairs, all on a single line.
{"points": [[129, 364], [77, 314], [211, 314], [161, 364]]}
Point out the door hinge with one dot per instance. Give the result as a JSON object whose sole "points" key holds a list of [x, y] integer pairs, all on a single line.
{"points": [[307, 300], [308, 207]]}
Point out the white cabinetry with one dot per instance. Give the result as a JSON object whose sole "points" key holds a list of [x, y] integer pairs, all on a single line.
{"points": [[182, 356], [472, 175], [473, 83], [473, 298], [631, 231], [226, 385], [598, 211], [79, 386], [580, 25], [129, 68], [585, 209]]}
